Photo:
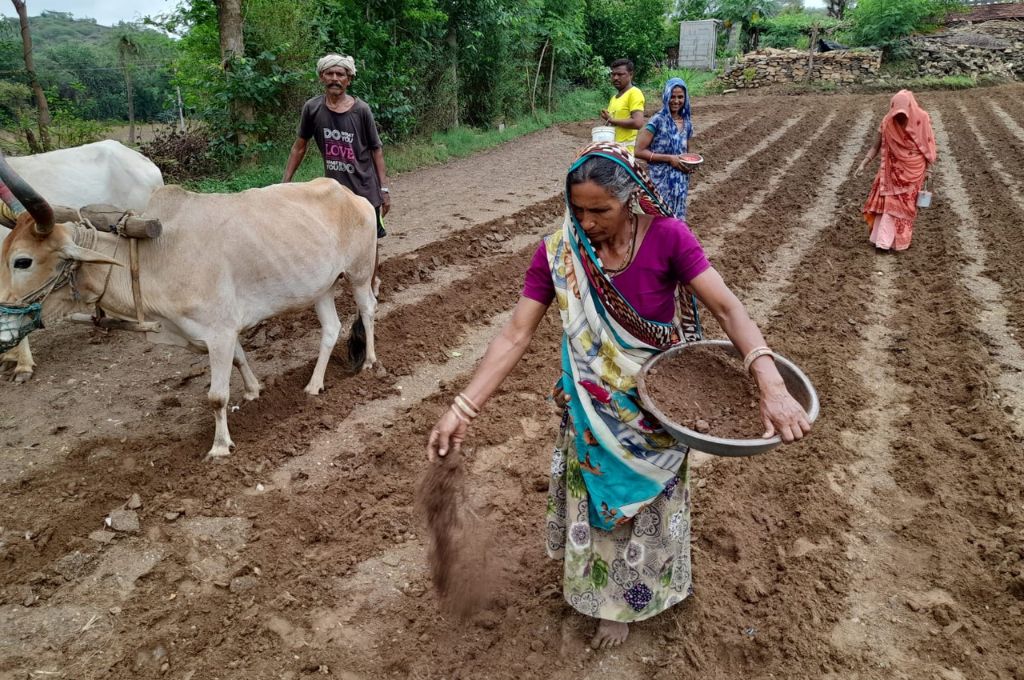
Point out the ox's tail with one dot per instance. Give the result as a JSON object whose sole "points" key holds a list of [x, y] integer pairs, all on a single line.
{"points": [[357, 344]]}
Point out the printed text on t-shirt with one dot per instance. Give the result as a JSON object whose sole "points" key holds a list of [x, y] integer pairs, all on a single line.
{"points": [[338, 152]]}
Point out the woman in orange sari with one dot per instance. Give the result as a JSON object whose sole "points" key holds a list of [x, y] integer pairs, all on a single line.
{"points": [[907, 145]]}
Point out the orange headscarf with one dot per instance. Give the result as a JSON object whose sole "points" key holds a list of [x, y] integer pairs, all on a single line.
{"points": [[909, 150]]}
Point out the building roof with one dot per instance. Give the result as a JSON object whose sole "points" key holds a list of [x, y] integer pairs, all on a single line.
{"points": [[1002, 10]]}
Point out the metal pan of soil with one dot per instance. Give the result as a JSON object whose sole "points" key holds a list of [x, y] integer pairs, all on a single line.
{"points": [[717, 362], [691, 159]]}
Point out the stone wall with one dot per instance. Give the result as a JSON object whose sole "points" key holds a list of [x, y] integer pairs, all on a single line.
{"points": [[994, 48], [770, 66]]}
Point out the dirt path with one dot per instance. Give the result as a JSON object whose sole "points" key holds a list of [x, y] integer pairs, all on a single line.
{"points": [[889, 545]]}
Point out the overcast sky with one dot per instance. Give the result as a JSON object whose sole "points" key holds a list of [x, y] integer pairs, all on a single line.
{"points": [[109, 12]]}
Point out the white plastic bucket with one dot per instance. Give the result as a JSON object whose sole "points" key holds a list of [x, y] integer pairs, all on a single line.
{"points": [[924, 199], [602, 133]]}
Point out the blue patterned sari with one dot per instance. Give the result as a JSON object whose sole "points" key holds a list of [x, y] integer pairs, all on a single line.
{"points": [[674, 185]]}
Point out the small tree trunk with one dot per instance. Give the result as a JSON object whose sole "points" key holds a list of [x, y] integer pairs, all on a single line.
{"points": [[536, 78], [30, 68], [232, 45], [837, 8], [129, 90], [551, 80], [181, 112], [33, 143], [810, 55], [451, 40], [229, 24]]}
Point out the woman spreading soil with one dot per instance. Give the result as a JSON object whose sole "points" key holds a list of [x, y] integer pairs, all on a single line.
{"points": [[618, 504]]}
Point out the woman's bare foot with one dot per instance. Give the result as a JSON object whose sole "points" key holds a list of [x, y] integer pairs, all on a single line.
{"points": [[609, 634]]}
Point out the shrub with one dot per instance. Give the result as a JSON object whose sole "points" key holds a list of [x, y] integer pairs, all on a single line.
{"points": [[883, 23], [67, 130], [793, 29], [180, 155]]}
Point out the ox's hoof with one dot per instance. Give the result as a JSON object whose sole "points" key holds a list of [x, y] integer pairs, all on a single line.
{"points": [[252, 396], [220, 451], [313, 389], [22, 377]]}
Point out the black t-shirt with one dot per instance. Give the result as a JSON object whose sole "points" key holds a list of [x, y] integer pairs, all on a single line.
{"points": [[346, 142]]}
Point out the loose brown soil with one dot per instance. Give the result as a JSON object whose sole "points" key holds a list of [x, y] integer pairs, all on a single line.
{"points": [[889, 544], [457, 552], [706, 390]]}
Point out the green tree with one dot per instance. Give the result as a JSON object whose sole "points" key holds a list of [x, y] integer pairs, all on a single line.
{"points": [[691, 10], [884, 22], [127, 51], [632, 29], [750, 15], [793, 29], [43, 110], [837, 8], [16, 108], [76, 61]]}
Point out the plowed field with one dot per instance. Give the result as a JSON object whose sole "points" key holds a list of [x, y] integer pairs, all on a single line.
{"points": [[890, 544]]}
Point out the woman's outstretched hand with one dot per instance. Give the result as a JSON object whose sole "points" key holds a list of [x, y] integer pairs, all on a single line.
{"points": [[782, 415], [447, 435]]}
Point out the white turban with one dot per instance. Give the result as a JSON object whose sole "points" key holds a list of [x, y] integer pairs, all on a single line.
{"points": [[332, 60]]}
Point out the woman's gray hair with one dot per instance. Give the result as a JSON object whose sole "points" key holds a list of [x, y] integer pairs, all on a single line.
{"points": [[606, 173]]}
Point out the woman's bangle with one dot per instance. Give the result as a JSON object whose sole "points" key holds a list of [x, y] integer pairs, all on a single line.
{"points": [[462, 404], [460, 415], [754, 355], [469, 401]]}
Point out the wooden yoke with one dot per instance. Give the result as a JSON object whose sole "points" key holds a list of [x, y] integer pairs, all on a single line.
{"points": [[114, 220], [109, 218]]}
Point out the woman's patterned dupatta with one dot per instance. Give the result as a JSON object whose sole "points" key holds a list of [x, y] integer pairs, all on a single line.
{"points": [[625, 456]]}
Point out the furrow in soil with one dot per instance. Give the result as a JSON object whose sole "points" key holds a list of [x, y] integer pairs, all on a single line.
{"points": [[999, 326]]}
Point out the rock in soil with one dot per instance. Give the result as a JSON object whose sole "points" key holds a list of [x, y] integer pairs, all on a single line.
{"points": [[240, 584], [101, 536], [126, 521]]}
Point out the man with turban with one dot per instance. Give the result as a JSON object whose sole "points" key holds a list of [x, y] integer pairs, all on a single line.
{"points": [[346, 135]]}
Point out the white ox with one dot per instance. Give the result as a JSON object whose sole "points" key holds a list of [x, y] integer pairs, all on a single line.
{"points": [[102, 172], [223, 263]]}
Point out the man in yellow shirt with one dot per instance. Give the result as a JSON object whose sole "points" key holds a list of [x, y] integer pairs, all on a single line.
{"points": [[625, 110]]}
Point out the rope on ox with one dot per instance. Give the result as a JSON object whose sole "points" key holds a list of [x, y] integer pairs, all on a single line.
{"points": [[99, 319], [26, 315]]}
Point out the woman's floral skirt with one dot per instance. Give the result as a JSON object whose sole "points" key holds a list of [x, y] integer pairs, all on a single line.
{"points": [[631, 573]]}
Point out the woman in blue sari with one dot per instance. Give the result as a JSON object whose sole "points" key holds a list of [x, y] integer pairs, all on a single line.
{"points": [[618, 512], [665, 137]]}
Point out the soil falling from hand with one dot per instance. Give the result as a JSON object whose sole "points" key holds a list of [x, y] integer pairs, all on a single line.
{"points": [[457, 554]]}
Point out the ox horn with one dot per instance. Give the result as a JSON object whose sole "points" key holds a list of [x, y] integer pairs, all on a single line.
{"points": [[33, 202]]}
